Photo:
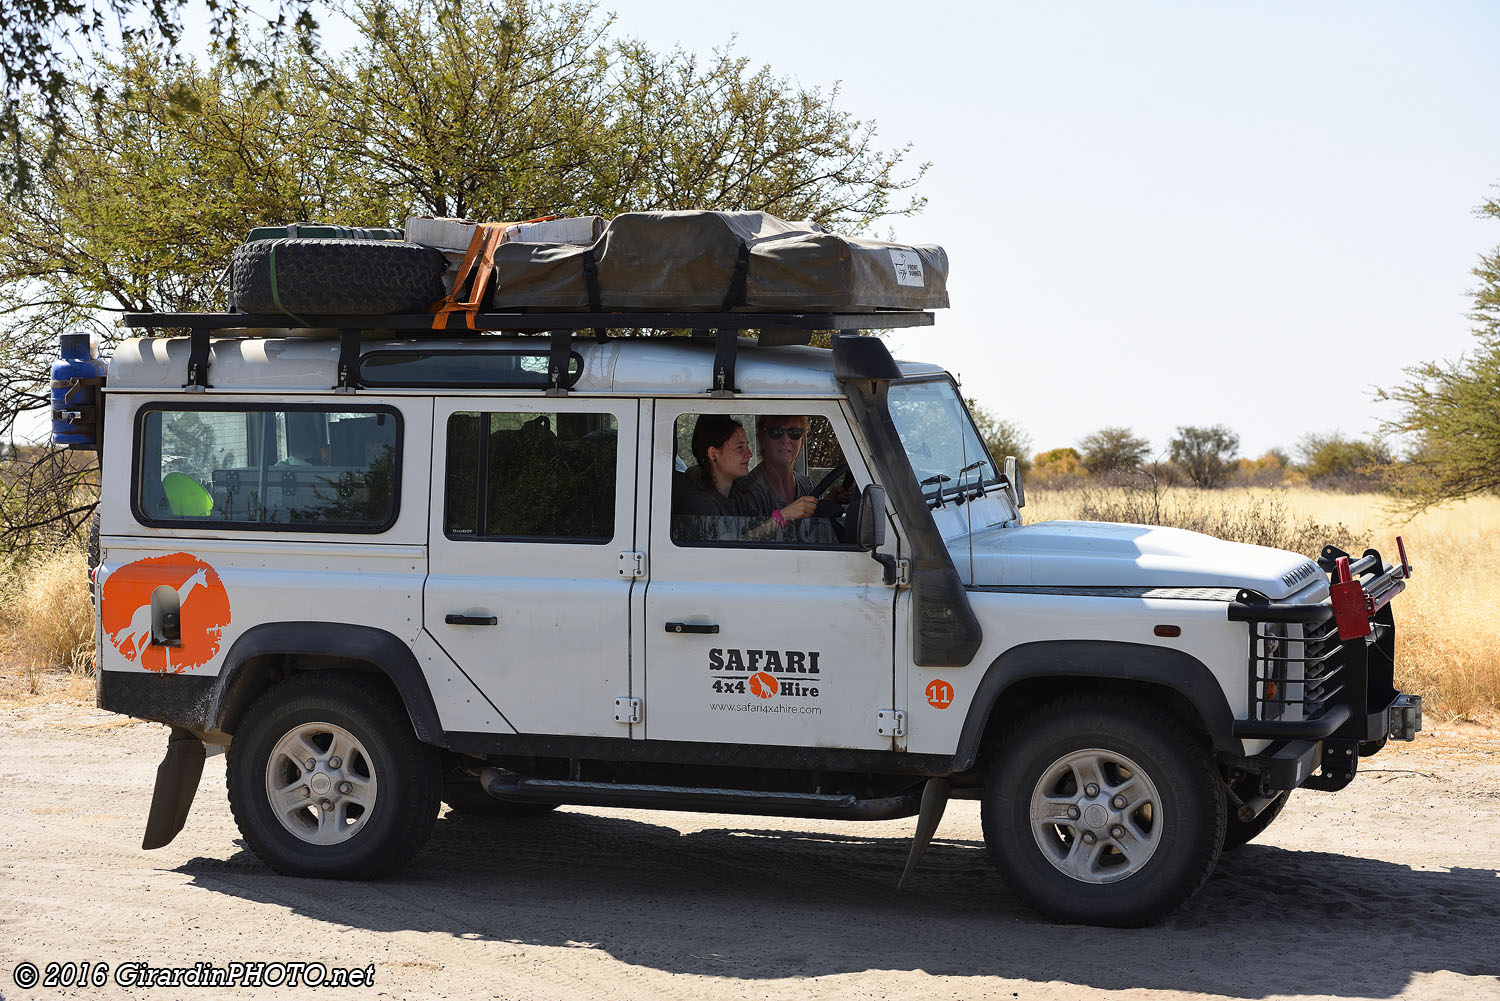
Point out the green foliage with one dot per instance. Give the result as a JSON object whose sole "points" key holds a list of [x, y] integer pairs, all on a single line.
{"points": [[1113, 448], [1451, 411], [1204, 454], [1000, 436], [1334, 459], [43, 41]]}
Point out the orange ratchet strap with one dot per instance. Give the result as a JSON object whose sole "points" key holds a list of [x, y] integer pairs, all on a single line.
{"points": [[479, 260]]}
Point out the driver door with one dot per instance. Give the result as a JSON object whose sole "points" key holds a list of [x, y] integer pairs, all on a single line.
{"points": [[762, 642]]}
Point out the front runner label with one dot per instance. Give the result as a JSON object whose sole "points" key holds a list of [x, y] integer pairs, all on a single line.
{"points": [[908, 268]]}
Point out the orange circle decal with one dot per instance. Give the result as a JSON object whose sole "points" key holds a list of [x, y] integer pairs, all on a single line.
{"points": [[126, 609], [939, 694], [763, 685]]}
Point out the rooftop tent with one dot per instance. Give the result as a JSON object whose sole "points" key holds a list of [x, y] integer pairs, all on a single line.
{"points": [[710, 261]]}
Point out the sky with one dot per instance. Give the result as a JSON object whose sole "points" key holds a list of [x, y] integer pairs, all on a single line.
{"points": [[1160, 214]]}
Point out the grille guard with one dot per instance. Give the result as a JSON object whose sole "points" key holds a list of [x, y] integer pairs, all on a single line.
{"points": [[1345, 687]]}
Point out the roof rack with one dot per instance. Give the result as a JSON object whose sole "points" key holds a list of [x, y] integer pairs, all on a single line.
{"points": [[777, 329]]}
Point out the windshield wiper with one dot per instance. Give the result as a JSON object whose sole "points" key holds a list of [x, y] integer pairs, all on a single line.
{"points": [[978, 487], [939, 479]]}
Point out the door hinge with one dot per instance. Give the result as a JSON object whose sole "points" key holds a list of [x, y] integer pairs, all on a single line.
{"points": [[627, 710], [903, 573], [632, 564], [891, 722]]}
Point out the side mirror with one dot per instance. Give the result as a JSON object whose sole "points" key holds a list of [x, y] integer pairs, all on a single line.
{"points": [[871, 518], [1017, 488]]}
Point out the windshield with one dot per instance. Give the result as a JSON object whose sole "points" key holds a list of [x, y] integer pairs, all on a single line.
{"points": [[940, 440]]}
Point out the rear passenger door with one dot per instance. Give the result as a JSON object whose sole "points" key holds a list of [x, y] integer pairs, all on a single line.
{"points": [[533, 502]]}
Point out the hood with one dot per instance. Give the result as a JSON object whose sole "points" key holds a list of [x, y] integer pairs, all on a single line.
{"points": [[1095, 554]]}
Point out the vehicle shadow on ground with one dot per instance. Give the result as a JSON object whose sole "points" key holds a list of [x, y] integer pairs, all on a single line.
{"points": [[752, 903]]}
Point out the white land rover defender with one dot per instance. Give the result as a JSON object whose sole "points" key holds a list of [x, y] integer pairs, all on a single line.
{"points": [[388, 568]]}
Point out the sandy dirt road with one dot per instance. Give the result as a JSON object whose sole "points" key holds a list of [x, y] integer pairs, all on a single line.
{"points": [[1389, 889]]}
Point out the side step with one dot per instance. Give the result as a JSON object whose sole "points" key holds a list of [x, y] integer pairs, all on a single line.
{"points": [[519, 789]]}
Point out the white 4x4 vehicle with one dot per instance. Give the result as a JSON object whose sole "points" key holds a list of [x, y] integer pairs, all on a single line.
{"points": [[388, 570]]}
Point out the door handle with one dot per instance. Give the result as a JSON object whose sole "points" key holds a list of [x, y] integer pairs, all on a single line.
{"points": [[692, 627], [459, 619]]}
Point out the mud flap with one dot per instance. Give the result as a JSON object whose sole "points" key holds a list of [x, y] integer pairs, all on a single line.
{"points": [[176, 783], [934, 802]]}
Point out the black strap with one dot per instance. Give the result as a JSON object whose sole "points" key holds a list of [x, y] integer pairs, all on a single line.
{"points": [[557, 360], [197, 359], [348, 359], [591, 279], [726, 352], [736, 294]]}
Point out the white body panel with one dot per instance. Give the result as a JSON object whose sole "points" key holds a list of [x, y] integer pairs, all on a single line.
{"points": [[818, 621], [268, 575], [1010, 620], [559, 654]]}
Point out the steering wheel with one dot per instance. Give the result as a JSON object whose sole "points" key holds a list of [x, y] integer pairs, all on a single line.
{"points": [[833, 476]]}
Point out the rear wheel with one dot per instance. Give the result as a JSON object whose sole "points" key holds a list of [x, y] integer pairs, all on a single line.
{"points": [[327, 779], [1103, 810], [1239, 832]]}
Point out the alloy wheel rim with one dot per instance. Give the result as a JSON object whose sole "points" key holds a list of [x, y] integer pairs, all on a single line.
{"points": [[320, 783], [1096, 816]]}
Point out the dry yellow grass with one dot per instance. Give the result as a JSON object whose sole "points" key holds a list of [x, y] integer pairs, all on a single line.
{"points": [[46, 620], [1447, 632]]}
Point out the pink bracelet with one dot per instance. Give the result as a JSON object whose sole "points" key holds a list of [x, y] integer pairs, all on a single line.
{"points": [[778, 517]]}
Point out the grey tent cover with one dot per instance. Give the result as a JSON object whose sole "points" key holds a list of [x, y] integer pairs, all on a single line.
{"points": [[686, 261]]}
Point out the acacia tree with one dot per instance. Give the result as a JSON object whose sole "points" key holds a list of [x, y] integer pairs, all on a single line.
{"points": [[1204, 453], [504, 109], [1450, 411], [1113, 448]]}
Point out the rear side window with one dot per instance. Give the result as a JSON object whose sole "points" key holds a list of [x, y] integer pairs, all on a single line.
{"points": [[531, 476], [303, 468]]}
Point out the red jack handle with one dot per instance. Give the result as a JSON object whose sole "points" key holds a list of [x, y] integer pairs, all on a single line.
{"points": [[1351, 606]]}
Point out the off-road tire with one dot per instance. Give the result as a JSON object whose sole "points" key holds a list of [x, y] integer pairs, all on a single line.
{"points": [[1191, 812], [409, 775], [464, 796], [338, 277], [1238, 832], [93, 553]]}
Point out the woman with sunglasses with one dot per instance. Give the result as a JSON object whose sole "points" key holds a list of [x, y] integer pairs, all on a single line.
{"points": [[775, 487]]}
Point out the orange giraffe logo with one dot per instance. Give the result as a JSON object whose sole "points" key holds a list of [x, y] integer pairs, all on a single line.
{"points": [[763, 685], [203, 604]]}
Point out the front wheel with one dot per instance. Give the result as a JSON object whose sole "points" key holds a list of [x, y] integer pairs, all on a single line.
{"points": [[327, 779], [1103, 810]]}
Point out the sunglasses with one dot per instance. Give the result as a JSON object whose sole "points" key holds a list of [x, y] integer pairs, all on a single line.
{"points": [[793, 433]]}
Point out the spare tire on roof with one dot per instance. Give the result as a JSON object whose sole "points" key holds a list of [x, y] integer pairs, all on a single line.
{"points": [[337, 277]]}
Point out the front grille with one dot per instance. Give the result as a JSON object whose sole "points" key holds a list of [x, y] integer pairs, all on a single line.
{"points": [[1294, 669]]}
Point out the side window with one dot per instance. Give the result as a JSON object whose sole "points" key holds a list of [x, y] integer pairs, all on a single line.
{"points": [[741, 479], [540, 476], [302, 469]]}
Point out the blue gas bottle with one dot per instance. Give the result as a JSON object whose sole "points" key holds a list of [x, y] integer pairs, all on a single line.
{"points": [[77, 377]]}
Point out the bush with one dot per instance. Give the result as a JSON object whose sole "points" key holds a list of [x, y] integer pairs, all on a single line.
{"points": [[1257, 519], [46, 617], [1057, 467]]}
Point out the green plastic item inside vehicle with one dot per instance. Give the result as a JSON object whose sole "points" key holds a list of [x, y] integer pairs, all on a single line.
{"points": [[186, 496]]}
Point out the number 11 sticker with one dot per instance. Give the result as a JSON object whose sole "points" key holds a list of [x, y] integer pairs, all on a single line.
{"points": [[939, 694]]}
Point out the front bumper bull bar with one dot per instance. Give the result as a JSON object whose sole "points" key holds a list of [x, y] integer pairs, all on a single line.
{"points": [[1344, 688]]}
